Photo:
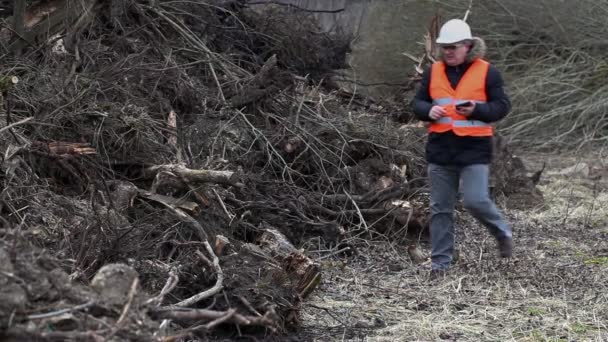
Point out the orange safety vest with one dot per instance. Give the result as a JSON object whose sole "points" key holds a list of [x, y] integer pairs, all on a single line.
{"points": [[472, 87]]}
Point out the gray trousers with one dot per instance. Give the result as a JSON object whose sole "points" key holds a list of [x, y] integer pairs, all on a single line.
{"points": [[445, 181]]}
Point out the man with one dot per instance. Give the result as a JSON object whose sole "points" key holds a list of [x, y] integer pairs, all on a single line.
{"points": [[461, 95]]}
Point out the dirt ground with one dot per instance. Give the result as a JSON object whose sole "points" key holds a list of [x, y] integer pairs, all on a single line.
{"points": [[554, 289]]}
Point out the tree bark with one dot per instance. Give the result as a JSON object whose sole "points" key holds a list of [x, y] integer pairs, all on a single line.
{"points": [[295, 263]]}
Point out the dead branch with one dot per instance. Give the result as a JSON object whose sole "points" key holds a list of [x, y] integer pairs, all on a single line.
{"points": [[180, 203], [199, 230], [164, 178], [221, 242], [172, 123], [212, 291], [194, 176], [20, 122], [219, 199], [169, 286], [376, 211], [96, 336], [306, 272], [63, 148], [125, 309], [60, 312], [229, 314], [249, 306], [210, 315]]}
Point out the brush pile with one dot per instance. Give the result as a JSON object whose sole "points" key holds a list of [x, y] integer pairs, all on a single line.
{"points": [[165, 166]]}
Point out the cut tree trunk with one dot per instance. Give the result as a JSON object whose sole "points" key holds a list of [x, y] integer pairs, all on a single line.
{"points": [[295, 263]]}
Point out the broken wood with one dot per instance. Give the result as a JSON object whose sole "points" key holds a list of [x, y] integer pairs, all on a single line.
{"points": [[375, 195], [169, 286], [172, 123], [306, 272], [210, 315], [221, 242], [219, 283], [189, 207], [63, 148], [194, 176]]}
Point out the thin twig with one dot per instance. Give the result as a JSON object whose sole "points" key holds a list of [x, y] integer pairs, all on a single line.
{"points": [[170, 284], [20, 122], [60, 312], [226, 317], [217, 82], [210, 292], [248, 305], [200, 314], [125, 309], [219, 199], [466, 14], [334, 253]]}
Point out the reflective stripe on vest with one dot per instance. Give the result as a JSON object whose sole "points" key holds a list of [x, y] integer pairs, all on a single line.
{"points": [[463, 123], [444, 101], [471, 87]]}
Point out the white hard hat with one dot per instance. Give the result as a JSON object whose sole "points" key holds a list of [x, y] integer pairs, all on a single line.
{"points": [[454, 31]]}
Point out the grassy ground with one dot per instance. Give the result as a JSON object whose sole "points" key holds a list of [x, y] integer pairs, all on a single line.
{"points": [[554, 289]]}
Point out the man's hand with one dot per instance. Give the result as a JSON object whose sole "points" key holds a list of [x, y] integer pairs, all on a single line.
{"points": [[466, 111], [437, 112]]}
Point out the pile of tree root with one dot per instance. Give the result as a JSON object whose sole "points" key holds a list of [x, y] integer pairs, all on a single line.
{"points": [[166, 164]]}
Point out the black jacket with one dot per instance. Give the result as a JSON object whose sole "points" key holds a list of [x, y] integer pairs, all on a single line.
{"points": [[448, 148]]}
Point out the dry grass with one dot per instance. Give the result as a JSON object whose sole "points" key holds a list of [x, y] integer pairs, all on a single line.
{"points": [[553, 290], [575, 189]]}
